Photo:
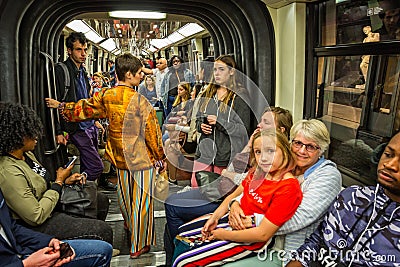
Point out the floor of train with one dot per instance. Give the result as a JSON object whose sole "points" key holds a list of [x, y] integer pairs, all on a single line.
{"points": [[156, 257]]}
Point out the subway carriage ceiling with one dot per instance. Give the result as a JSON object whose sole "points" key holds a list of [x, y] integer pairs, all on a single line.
{"points": [[240, 27]]}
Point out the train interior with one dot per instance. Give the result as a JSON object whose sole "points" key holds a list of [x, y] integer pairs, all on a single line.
{"points": [[311, 57]]}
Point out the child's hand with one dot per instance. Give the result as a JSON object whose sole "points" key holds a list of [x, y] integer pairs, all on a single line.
{"points": [[218, 234], [236, 217], [210, 225]]}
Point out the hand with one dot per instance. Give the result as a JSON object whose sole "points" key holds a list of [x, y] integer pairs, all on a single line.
{"points": [[212, 119], [45, 257], [163, 167], [180, 113], [218, 234], [206, 129], [62, 174], [60, 139], [249, 144], [236, 216], [210, 225], [99, 126], [52, 103], [170, 127], [75, 179]]}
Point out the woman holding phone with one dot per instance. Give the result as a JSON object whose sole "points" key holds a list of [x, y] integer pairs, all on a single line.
{"points": [[28, 188]]}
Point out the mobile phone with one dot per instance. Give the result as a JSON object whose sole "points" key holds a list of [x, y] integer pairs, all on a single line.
{"points": [[69, 163], [65, 250]]}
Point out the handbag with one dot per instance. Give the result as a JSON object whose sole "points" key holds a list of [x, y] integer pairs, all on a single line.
{"points": [[79, 200], [161, 186], [213, 186]]}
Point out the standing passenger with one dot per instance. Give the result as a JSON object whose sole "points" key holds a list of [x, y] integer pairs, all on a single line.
{"points": [[143, 146], [169, 87], [84, 135], [223, 121]]}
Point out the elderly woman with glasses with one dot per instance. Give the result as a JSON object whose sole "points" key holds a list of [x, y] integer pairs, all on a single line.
{"points": [[320, 183]]}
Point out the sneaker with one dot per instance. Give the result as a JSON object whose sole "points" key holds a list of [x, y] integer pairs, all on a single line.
{"points": [[115, 252], [109, 186]]}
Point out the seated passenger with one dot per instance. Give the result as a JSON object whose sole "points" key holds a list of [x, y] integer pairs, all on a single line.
{"points": [[182, 135], [148, 89], [28, 188], [269, 189], [186, 206], [320, 183], [20, 246], [362, 226]]}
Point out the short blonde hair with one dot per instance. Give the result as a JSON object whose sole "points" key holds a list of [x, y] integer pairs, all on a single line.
{"points": [[313, 130]]}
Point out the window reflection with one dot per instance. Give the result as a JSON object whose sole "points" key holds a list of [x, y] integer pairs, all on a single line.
{"points": [[345, 20], [358, 125]]}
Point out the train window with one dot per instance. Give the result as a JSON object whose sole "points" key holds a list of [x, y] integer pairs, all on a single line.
{"points": [[360, 116], [347, 22]]}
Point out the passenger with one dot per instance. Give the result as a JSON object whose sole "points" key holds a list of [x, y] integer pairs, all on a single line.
{"points": [[269, 189], [223, 119], [83, 135], [178, 72], [98, 83], [159, 72], [362, 226], [320, 183], [20, 246], [135, 172], [182, 136], [183, 207], [113, 79], [148, 90], [28, 188]]}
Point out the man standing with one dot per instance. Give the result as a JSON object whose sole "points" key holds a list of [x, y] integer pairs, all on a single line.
{"points": [[82, 134], [112, 72], [160, 71], [362, 227]]}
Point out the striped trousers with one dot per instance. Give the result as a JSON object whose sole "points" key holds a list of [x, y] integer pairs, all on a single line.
{"points": [[210, 253], [137, 206]]}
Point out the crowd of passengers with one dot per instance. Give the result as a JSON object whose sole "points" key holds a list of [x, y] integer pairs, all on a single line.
{"points": [[287, 206]]}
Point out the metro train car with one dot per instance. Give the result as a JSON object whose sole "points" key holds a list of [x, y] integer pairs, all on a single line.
{"points": [[334, 60]]}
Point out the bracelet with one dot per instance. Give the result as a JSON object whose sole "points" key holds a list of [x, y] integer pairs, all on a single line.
{"points": [[231, 203], [253, 220]]}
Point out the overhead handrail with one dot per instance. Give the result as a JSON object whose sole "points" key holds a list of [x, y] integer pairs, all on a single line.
{"points": [[51, 84]]}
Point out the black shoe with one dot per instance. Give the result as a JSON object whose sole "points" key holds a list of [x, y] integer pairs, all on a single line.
{"points": [[109, 186]]}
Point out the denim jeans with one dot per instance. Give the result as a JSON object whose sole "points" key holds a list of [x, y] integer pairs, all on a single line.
{"points": [[90, 252], [179, 209]]}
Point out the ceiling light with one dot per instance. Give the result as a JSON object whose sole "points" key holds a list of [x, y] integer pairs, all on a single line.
{"points": [[160, 43], [190, 29], [82, 26], [108, 44], [152, 49], [117, 52], [137, 15], [175, 37], [78, 26], [93, 36]]}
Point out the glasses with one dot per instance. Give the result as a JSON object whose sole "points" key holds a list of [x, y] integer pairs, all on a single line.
{"points": [[176, 61], [309, 147]]}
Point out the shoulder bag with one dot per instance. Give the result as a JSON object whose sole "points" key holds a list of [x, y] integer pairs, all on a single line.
{"points": [[79, 200]]}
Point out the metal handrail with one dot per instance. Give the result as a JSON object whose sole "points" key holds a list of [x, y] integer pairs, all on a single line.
{"points": [[50, 67]]}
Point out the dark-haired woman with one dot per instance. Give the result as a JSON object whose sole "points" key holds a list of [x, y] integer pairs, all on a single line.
{"points": [[178, 72], [28, 188]]}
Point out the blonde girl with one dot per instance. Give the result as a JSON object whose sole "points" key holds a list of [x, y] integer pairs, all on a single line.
{"points": [[270, 189]]}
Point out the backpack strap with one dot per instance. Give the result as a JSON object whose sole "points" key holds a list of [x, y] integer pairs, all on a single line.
{"points": [[67, 82]]}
